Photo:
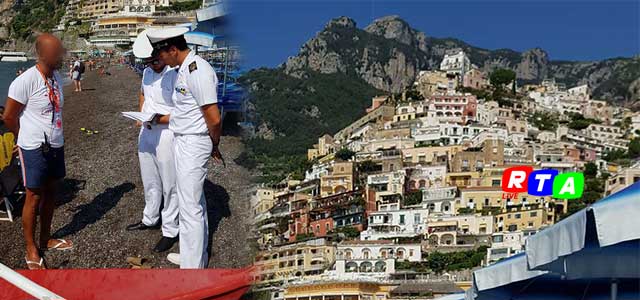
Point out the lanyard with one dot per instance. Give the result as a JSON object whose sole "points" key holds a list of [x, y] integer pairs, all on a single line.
{"points": [[54, 100], [53, 94]]}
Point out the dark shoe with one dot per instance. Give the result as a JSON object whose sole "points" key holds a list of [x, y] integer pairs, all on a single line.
{"points": [[139, 226], [165, 244]]}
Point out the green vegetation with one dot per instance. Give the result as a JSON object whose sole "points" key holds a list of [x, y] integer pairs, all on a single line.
{"points": [[36, 16], [579, 122], [624, 158], [440, 262], [617, 86], [296, 112], [413, 198], [479, 93], [544, 120], [349, 232], [304, 236], [255, 294], [412, 94], [590, 169], [178, 6], [593, 189], [501, 77], [465, 210], [625, 124], [344, 154], [417, 266]]}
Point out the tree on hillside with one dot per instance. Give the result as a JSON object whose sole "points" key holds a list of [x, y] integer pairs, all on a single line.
{"points": [[634, 148], [344, 154], [590, 170], [579, 122], [501, 77], [544, 120]]}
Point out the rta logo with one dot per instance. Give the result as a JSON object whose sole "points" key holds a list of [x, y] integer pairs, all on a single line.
{"points": [[541, 183]]}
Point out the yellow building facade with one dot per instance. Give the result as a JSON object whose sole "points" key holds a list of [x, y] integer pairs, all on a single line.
{"points": [[339, 180], [294, 260], [339, 290]]}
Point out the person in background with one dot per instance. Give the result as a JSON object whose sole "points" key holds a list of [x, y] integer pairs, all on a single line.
{"points": [[76, 75], [155, 147], [195, 121], [34, 114]]}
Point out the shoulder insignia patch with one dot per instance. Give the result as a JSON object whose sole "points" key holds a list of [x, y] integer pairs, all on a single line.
{"points": [[193, 66]]}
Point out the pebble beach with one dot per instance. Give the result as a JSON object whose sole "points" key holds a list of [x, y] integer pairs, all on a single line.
{"points": [[103, 191]]}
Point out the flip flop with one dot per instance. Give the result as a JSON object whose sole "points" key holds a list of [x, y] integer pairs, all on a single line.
{"points": [[39, 264], [60, 245], [139, 263]]}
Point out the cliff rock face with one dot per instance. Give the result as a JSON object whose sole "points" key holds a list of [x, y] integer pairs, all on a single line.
{"points": [[6, 14], [388, 54]]}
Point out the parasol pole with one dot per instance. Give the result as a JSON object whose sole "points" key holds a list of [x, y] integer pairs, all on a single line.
{"points": [[614, 289]]}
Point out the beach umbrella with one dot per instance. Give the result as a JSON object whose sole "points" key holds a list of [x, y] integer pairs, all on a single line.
{"points": [[592, 254], [199, 38], [457, 296], [600, 241], [510, 279]]}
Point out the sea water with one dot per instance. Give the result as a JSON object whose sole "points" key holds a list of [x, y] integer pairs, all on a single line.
{"points": [[8, 72]]}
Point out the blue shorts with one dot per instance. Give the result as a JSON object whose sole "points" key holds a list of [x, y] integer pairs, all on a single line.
{"points": [[38, 167]]}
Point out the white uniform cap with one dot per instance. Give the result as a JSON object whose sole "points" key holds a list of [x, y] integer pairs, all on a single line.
{"points": [[159, 35], [141, 46]]}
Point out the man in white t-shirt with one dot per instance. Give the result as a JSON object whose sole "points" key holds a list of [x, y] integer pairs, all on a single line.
{"points": [[34, 114], [76, 75], [155, 147]]}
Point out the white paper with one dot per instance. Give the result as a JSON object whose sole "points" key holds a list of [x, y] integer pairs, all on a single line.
{"points": [[139, 116]]}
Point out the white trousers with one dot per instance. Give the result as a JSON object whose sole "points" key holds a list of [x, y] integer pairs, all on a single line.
{"points": [[192, 153], [157, 168]]}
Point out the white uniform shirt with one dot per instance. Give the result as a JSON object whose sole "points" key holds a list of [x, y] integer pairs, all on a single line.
{"points": [[196, 86], [38, 116], [158, 90]]}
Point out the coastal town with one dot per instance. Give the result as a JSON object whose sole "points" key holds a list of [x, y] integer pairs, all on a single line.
{"points": [[407, 201], [414, 191]]}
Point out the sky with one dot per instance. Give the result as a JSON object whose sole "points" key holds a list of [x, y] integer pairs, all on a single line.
{"points": [[269, 31]]}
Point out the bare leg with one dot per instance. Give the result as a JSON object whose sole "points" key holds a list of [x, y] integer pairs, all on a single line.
{"points": [[46, 213], [79, 85], [28, 222]]}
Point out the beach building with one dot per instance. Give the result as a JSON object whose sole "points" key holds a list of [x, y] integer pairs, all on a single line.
{"points": [[359, 256], [455, 107], [623, 178], [429, 83], [298, 259], [455, 61], [475, 78], [322, 148], [340, 179], [393, 222], [468, 230], [121, 30], [474, 159], [506, 244], [425, 177], [338, 290]]}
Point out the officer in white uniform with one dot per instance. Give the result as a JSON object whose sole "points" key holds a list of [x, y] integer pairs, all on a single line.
{"points": [[195, 121], [155, 146]]}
